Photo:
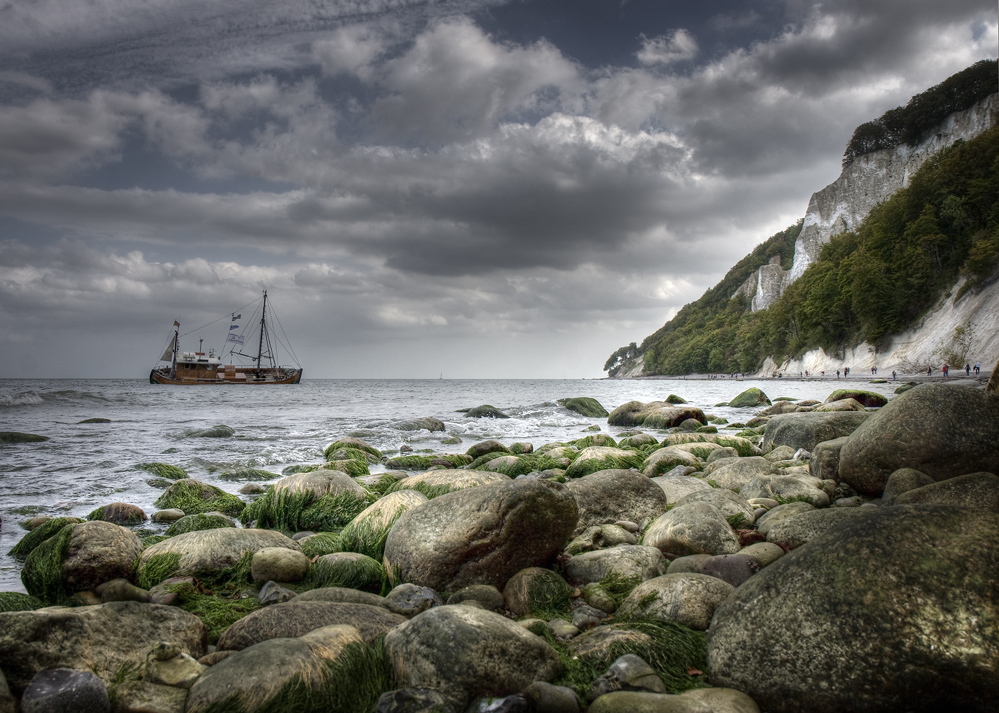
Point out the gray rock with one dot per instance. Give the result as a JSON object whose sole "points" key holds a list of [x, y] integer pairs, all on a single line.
{"points": [[610, 495], [7, 702], [536, 590], [481, 535], [630, 561], [750, 398], [586, 617], [596, 458], [64, 690], [780, 513], [485, 411], [323, 670], [765, 553], [734, 569], [687, 563], [343, 595], [599, 537], [784, 487], [691, 529], [145, 697], [676, 486], [732, 506], [412, 700], [465, 653], [941, 430], [548, 698], [278, 564], [179, 671], [102, 638], [627, 673], [121, 590], [805, 430], [698, 700], [901, 481], [483, 447], [824, 463], [722, 453], [978, 491], [274, 593], [901, 589], [171, 515], [795, 531], [733, 473], [300, 616], [410, 599], [688, 598], [562, 629]]}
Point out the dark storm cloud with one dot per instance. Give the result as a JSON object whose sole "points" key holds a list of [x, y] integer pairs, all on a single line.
{"points": [[560, 175]]}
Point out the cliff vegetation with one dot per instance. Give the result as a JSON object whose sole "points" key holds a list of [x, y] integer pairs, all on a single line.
{"points": [[866, 285]]}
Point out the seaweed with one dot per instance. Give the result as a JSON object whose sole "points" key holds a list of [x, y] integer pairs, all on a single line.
{"points": [[163, 470], [42, 572], [217, 612], [362, 573], [193, 496], [16, 601], [157, 568], [41, 533]]}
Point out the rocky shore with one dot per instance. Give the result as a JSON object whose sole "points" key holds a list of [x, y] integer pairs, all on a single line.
{"points": [[820, 556]]}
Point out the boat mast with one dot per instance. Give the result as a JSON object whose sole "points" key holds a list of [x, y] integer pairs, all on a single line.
{"points": [[176, 342], [263, 326]]}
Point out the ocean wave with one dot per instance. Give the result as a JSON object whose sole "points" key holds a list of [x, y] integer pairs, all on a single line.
{"points": [[23, 398]]}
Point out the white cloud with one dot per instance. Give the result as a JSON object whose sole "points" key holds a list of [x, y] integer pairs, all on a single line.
{"points": [[676, 46], [350, 50]]}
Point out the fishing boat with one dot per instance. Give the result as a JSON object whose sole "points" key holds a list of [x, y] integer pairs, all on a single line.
{"points": [[199, 369]]}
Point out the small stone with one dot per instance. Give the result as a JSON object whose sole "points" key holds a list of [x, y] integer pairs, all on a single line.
{"points": [[279, 564], [628, 525], [484, 594], [411, 599], [508, 704], [163, 651], [121, 590], [170, 515], [734, 569], [412, 700], [63, 690], [599, 598], [274, 593], [252, 489], [586, 617], [562, 629], [145, 697], [180, 671], [851, 502], [627, 673], [549, 698], [302, 535]]}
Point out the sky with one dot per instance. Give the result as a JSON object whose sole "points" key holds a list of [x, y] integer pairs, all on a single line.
{"points": [[466, 188]]}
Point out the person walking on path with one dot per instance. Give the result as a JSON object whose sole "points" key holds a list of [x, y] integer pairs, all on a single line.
{"points": [[893, 375], [967, 369], [929, 371], [945, 370]]}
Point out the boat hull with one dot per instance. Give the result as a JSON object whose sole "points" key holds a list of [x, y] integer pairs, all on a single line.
{"points": [[250, 377]]}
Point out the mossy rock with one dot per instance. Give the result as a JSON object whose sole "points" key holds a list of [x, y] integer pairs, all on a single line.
{"points": [[119, 513], [351, 467], [867, 399], [440, 482], [706, 429], [584, 406], [750, 398], [538, 592], [94, 420], [198, 521], [15, 437], [163, 470], [595, 458], [16, 601], [509, 465], [366, 533], [599, 439], [674, 399], [321, 501], [485, 411], [354, 443], [217, 431], [638, 440], [217, 612], [193, 496], [485, 458], [152, 540], [417, 462], [33, 539], [319, 544], [742, 446], [348, 569], [242, 474], [905, 387], [350, 453]]}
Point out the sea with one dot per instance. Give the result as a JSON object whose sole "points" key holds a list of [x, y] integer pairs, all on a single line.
{"points": [[85, 465]]}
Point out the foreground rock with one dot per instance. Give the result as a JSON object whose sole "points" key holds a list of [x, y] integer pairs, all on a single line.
{"points": [[464, 652], [926, 429], [103, 638], [296, 618], [805, 430], [903, 590], [205, 553], [692, 529], [481, 535], [611, 495], [655, 414], [329, 669]]}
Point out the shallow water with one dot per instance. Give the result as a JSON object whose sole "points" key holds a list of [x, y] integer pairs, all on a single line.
{"points": [[84, 466]]}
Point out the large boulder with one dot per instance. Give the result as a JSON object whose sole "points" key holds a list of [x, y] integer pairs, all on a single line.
{"points": [[676, 486], [609, 496], [824, 463], [864, 398], [103, 638], [192, 496], [792, 532], [330, 669], [78, 558], [205, 553], [481, 535], [750, 398], [893, 611], [584, 406], [464, 652], [804, 430], [940, 430], [664, 460], [655, 414], [733, 473], [733, 507], [692, 529], [298, 617], [710, 442], [978, 491], [786, 488], [437, 482]]}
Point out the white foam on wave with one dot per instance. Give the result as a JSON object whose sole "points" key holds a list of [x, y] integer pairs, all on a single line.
{"points": [[23, 398]]}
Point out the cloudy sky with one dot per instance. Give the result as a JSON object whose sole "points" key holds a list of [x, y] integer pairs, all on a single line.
{"points": [[479, 188]]}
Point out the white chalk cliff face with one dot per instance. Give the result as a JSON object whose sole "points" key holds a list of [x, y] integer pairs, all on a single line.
{"points": [[869, 180]]}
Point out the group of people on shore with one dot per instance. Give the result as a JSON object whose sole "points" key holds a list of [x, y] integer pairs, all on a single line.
{"points": [[845, 372], [968, 368]]}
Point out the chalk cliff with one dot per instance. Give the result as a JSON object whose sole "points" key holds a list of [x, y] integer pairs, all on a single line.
{"points": [[869, 180]]}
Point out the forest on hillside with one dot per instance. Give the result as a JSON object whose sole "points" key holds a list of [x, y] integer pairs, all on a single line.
{"points": [[866, 285]]}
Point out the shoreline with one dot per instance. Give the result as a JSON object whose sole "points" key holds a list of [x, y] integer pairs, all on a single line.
{"points": [[982, 378]]}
